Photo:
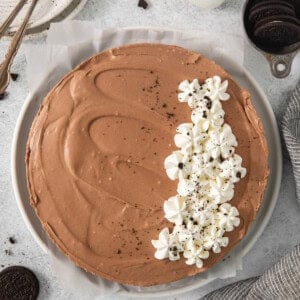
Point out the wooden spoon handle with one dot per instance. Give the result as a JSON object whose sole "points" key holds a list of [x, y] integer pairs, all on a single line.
{"points": [[13, 48], [11, 17]]}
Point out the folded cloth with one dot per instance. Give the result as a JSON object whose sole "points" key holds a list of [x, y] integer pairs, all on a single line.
{"points": [[291, 133], [282, 281]]}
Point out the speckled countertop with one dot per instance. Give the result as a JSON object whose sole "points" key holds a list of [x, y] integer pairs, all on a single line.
{"points": [[282, 232]]}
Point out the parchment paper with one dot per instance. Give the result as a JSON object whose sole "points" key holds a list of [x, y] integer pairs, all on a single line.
{"points": [[71, 42]]}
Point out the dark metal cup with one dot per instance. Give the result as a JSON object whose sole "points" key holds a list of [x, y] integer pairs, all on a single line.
{"points": [[280, 60]]}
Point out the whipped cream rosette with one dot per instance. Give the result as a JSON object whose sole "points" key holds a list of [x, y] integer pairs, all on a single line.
{"points": [[207, 168]]}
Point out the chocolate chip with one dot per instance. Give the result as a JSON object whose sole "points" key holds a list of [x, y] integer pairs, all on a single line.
{"points": [[204, 115], [143, 4], [180, 165], [14, 76], [164, 105], [211, 159], [221, 158], [119, 251], [238, 174]]}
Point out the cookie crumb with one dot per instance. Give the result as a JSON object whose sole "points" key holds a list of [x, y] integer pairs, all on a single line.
{"points": [[143, 4], [14, 76], [12, 240], [3, 95], [8, 252], [170, 115]]}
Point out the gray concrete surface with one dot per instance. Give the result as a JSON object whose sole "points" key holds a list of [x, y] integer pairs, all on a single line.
{"points": [[282, 232]]}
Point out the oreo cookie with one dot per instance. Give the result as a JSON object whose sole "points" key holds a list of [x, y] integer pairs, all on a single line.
{"points": [[297, 8], [277, 34], [272, 3], [262, 12], [288, 2], [279, 18], [18, 283]]}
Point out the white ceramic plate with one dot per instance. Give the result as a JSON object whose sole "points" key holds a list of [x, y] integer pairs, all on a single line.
{"points": [[266, 114], [45, 12]]}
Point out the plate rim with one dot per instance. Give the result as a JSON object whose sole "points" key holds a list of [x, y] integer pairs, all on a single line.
{"points": [[39, 28], [197, 284]]}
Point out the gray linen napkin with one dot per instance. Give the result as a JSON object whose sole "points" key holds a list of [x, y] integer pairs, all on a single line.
{"points": [[282, 281], [291, 133]]}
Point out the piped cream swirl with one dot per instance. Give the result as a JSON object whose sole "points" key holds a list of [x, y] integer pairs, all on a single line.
{"points": [[207, 169]]}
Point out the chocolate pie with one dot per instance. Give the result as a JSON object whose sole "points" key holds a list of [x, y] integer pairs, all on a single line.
{"points": [[95, 159]]}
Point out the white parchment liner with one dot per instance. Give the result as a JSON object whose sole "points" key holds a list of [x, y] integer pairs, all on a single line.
{"points": [[71, 42]]}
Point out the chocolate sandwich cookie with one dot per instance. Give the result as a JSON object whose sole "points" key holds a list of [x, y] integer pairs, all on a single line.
{"points": [[18, 283], [297, 8], [285, 2], [277, 34], [272, 3], [270, 10], [279, 18]]}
